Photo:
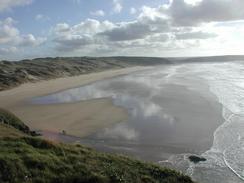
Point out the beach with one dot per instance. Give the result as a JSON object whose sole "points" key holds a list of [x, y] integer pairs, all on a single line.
{"points": [[173, 112], [166, 114], [160, 114], [78, 119]]}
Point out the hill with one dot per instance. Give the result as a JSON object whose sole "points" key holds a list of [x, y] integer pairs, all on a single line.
{"points": [[24, 158], [13, 74]]}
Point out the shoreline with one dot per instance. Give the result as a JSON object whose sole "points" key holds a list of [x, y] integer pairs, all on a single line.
{"points": [[78, 119], [221, 136], [199, 110]]}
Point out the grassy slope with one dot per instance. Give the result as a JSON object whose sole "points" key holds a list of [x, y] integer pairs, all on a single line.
{"points": [[10, 119], [8, 131], [13, 74], [24, 158]]}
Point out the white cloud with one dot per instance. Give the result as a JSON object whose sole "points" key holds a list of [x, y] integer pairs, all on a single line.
{"points": [[73, 42], [181, 27], [192, 2], [30, 40], [74, 37], [6, 51], [61, 27], [195, 35], [133, 11], [8, 33], [151, 13], [152, 29], [41, 17], [136, 29], [97, 33], [204, 11], [99, 13], [12, 41], [155, 31], [147, 23], [8, 4], [117, 7]]}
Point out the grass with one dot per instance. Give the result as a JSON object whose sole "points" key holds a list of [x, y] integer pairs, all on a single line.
{"points": [[8, 131], [24, 158]]}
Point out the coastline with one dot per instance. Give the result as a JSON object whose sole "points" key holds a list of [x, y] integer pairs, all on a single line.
{"points": [[82, 119], [78, 119], [194, 107], [196, 122], [221, 164]]}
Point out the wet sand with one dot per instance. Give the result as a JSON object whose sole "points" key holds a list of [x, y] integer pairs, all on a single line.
{"points": [[157, 118], [79, 119], [165, 115], [188, 124]]}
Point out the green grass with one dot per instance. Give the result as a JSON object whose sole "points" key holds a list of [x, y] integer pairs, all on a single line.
{"points": [[24, 158], [31, 159]]}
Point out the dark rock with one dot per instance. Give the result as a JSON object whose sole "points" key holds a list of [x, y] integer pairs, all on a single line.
{"points": [[196, 159]]}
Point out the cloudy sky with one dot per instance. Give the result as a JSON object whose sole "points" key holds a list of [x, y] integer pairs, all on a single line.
{"points": [[40, 28]]}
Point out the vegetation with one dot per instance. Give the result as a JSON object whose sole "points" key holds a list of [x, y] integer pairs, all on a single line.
{"points": [[24, 158], [15, 73], [10, 119]]}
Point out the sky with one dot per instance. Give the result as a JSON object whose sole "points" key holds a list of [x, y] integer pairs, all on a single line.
{"points": [[159, 28]]}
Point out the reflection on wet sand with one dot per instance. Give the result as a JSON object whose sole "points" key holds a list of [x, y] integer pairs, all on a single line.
{"points": [[165, 115]]}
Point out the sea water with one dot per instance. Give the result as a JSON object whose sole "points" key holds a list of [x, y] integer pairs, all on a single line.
{"points": [[225, 159]]}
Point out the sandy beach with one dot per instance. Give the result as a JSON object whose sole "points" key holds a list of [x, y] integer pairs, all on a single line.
{"points": [[79, 119], [167, 113]]}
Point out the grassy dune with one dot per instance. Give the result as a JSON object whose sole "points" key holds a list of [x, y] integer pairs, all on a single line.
{"points": [[13, 74], [24, 158]]}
